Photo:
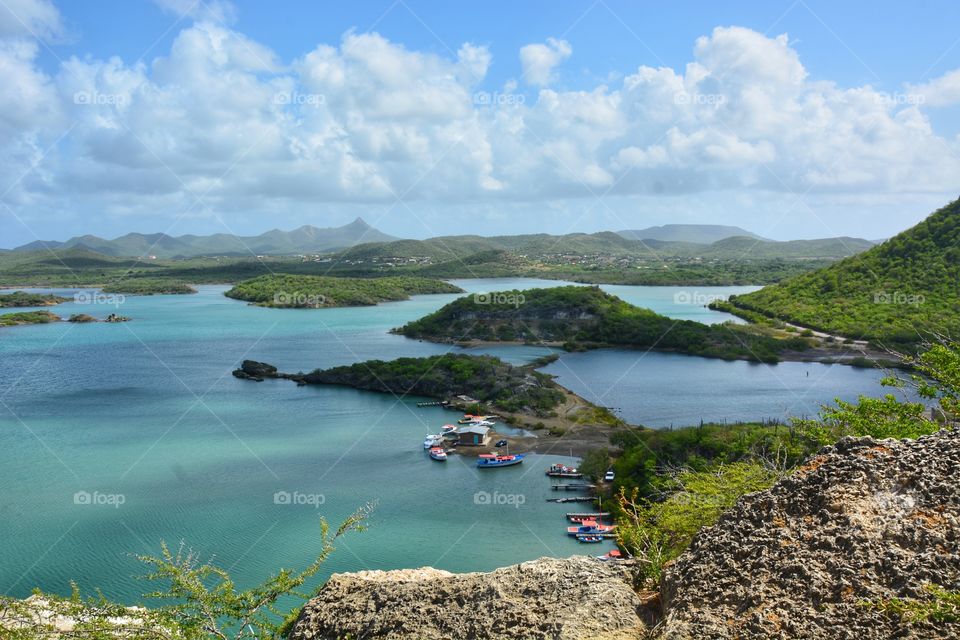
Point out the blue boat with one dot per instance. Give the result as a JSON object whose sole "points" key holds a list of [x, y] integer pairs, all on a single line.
{"points": [[491, 460]]}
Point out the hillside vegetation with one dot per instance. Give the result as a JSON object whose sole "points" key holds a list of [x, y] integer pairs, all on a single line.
{"points": [[586, 317], [895, 293], [484, 378], [25, 299], [294, 291]]}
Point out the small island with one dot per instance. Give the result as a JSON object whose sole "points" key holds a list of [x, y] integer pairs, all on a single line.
{"points": [[147, 287], [25, 299], [316, 292], [580, 317], [27, 317]]}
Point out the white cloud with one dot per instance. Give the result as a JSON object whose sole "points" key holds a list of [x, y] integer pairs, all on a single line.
{"points": [[30, 18], [540, 60], [201, 10], [366, 120], [939, 92]]}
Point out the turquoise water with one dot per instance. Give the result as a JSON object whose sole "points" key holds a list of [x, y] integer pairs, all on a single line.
{"points": [[145, 418]]}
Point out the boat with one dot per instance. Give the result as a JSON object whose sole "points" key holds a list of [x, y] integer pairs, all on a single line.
{"points": [[590, 527], [589, 539], [491, 460], [580, 517], [431, 441], [613, 554], [563, 471], [448, 428], [438, 454]]}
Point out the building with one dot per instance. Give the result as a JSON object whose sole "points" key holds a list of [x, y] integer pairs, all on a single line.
{"points": [[473, 436]]}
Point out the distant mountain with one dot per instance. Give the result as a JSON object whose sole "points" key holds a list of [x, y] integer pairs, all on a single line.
{"points": [[304, 240], [894, 293], [743, 247], [457, 248], [695, 233]]}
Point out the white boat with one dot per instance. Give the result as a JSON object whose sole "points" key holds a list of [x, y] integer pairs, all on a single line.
{"points": [[432, 441]]}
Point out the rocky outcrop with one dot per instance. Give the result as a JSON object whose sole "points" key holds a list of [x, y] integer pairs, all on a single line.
{"points": [[863, 521], [568, 599], [253, 370]]}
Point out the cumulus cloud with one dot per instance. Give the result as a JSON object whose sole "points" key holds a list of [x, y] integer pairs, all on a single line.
{"points": [[30, 18], [219, 123], [939, 92], [539, 60]]}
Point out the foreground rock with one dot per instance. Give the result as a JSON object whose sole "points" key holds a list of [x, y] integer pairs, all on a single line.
{"points": [[568, 599], [862, 521]]}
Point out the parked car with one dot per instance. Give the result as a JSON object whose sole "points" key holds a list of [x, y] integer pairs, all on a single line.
{"points": [[609, 476], [501, 443]]}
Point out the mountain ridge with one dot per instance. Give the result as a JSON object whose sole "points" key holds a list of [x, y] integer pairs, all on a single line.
{"points": [[304, 239]]}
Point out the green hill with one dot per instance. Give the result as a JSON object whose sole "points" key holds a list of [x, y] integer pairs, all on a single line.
{"points": [[895, 293], [586, 317]]}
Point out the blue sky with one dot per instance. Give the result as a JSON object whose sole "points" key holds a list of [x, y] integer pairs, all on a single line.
{"points": [[793, 119]]}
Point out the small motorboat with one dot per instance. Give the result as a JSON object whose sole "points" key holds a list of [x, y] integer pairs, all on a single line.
{"points": [[438, 454], [448, 428], [590, 527], [613, 554], [492, 460], [431, 441], [563, 471], [501, 443], [589, 539]]}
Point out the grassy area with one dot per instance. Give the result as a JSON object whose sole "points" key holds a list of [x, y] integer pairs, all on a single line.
{"points": [[297, 291], [586, 317]]}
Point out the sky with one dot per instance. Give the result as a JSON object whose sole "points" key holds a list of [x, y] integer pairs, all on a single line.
{"points": [[792, 119]]}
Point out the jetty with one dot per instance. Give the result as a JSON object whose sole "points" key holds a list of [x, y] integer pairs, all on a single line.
{"points": [[595, 516], [573, 499], [435, 403], [573, 486]]}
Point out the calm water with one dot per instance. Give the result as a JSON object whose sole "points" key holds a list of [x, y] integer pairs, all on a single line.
{"points": [[146, 418]]}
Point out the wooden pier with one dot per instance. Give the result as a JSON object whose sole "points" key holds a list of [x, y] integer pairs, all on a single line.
{"points": [[573, 487], [575, 499]]}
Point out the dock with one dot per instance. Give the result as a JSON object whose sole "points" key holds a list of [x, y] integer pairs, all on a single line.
{"points": [[573, 487], [559, 474], [437, 403], [574, 499]]}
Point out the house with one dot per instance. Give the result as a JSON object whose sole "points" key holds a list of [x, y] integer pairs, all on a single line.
{"points": [[473, 436]]}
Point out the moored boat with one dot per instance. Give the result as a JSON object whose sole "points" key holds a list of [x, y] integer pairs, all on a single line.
{"points": [[613, 554], [589, 539], [438, 454], [431, 441], [563, 471], [590, 527], [491, 460]]}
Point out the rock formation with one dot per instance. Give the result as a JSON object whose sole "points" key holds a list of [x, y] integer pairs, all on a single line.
{"points": [[864, 520], [544, 599]]}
